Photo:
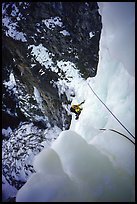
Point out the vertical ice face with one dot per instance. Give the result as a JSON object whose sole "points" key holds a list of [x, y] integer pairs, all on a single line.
{"points": [[119, 31]]}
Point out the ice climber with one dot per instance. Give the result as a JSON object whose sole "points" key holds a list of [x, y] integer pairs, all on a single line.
{"points": [[76, 109]]}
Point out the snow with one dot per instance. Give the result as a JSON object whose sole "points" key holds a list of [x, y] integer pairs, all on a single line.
{"points": [[7, 190], [27, 129], [42, 72], [6, 132], [52, 22], [12, 32], [91, 35], [38, 97], [15, 10], [65, 33], [19, 150], [10, 25], [65, 84], [85, 163], [70, 70], [33, 65], [42, 55], [11, 84]]}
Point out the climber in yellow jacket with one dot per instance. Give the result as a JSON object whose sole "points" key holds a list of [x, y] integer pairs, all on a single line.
{"points": [[76, 109]]}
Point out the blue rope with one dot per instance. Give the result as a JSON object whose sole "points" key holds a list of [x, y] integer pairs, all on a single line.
{"points": [[110, 111]]}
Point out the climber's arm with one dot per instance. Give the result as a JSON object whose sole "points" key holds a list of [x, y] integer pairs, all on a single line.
{"points": [[81, 103]]}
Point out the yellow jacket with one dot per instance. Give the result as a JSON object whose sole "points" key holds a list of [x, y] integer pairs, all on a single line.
{"points": [[77, 108]]}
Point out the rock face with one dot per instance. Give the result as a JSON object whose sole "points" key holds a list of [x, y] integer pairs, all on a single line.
{"points": [[38, 39], [65, 29]]}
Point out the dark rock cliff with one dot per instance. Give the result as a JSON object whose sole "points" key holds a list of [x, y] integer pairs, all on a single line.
{"points": [[37, 39], [69, 41]]}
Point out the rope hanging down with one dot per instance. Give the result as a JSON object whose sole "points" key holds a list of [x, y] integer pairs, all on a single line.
{"points": [[119, 134], [110, 111]]}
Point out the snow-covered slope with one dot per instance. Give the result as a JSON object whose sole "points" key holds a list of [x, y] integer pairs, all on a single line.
{"points": [[85, 163]]}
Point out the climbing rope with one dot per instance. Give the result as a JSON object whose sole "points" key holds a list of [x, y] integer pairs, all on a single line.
{"points": [[110, 111], [119, 134]]}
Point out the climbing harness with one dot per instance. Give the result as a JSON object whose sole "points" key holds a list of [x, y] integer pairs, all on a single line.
{"points": [[112, 114]]}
